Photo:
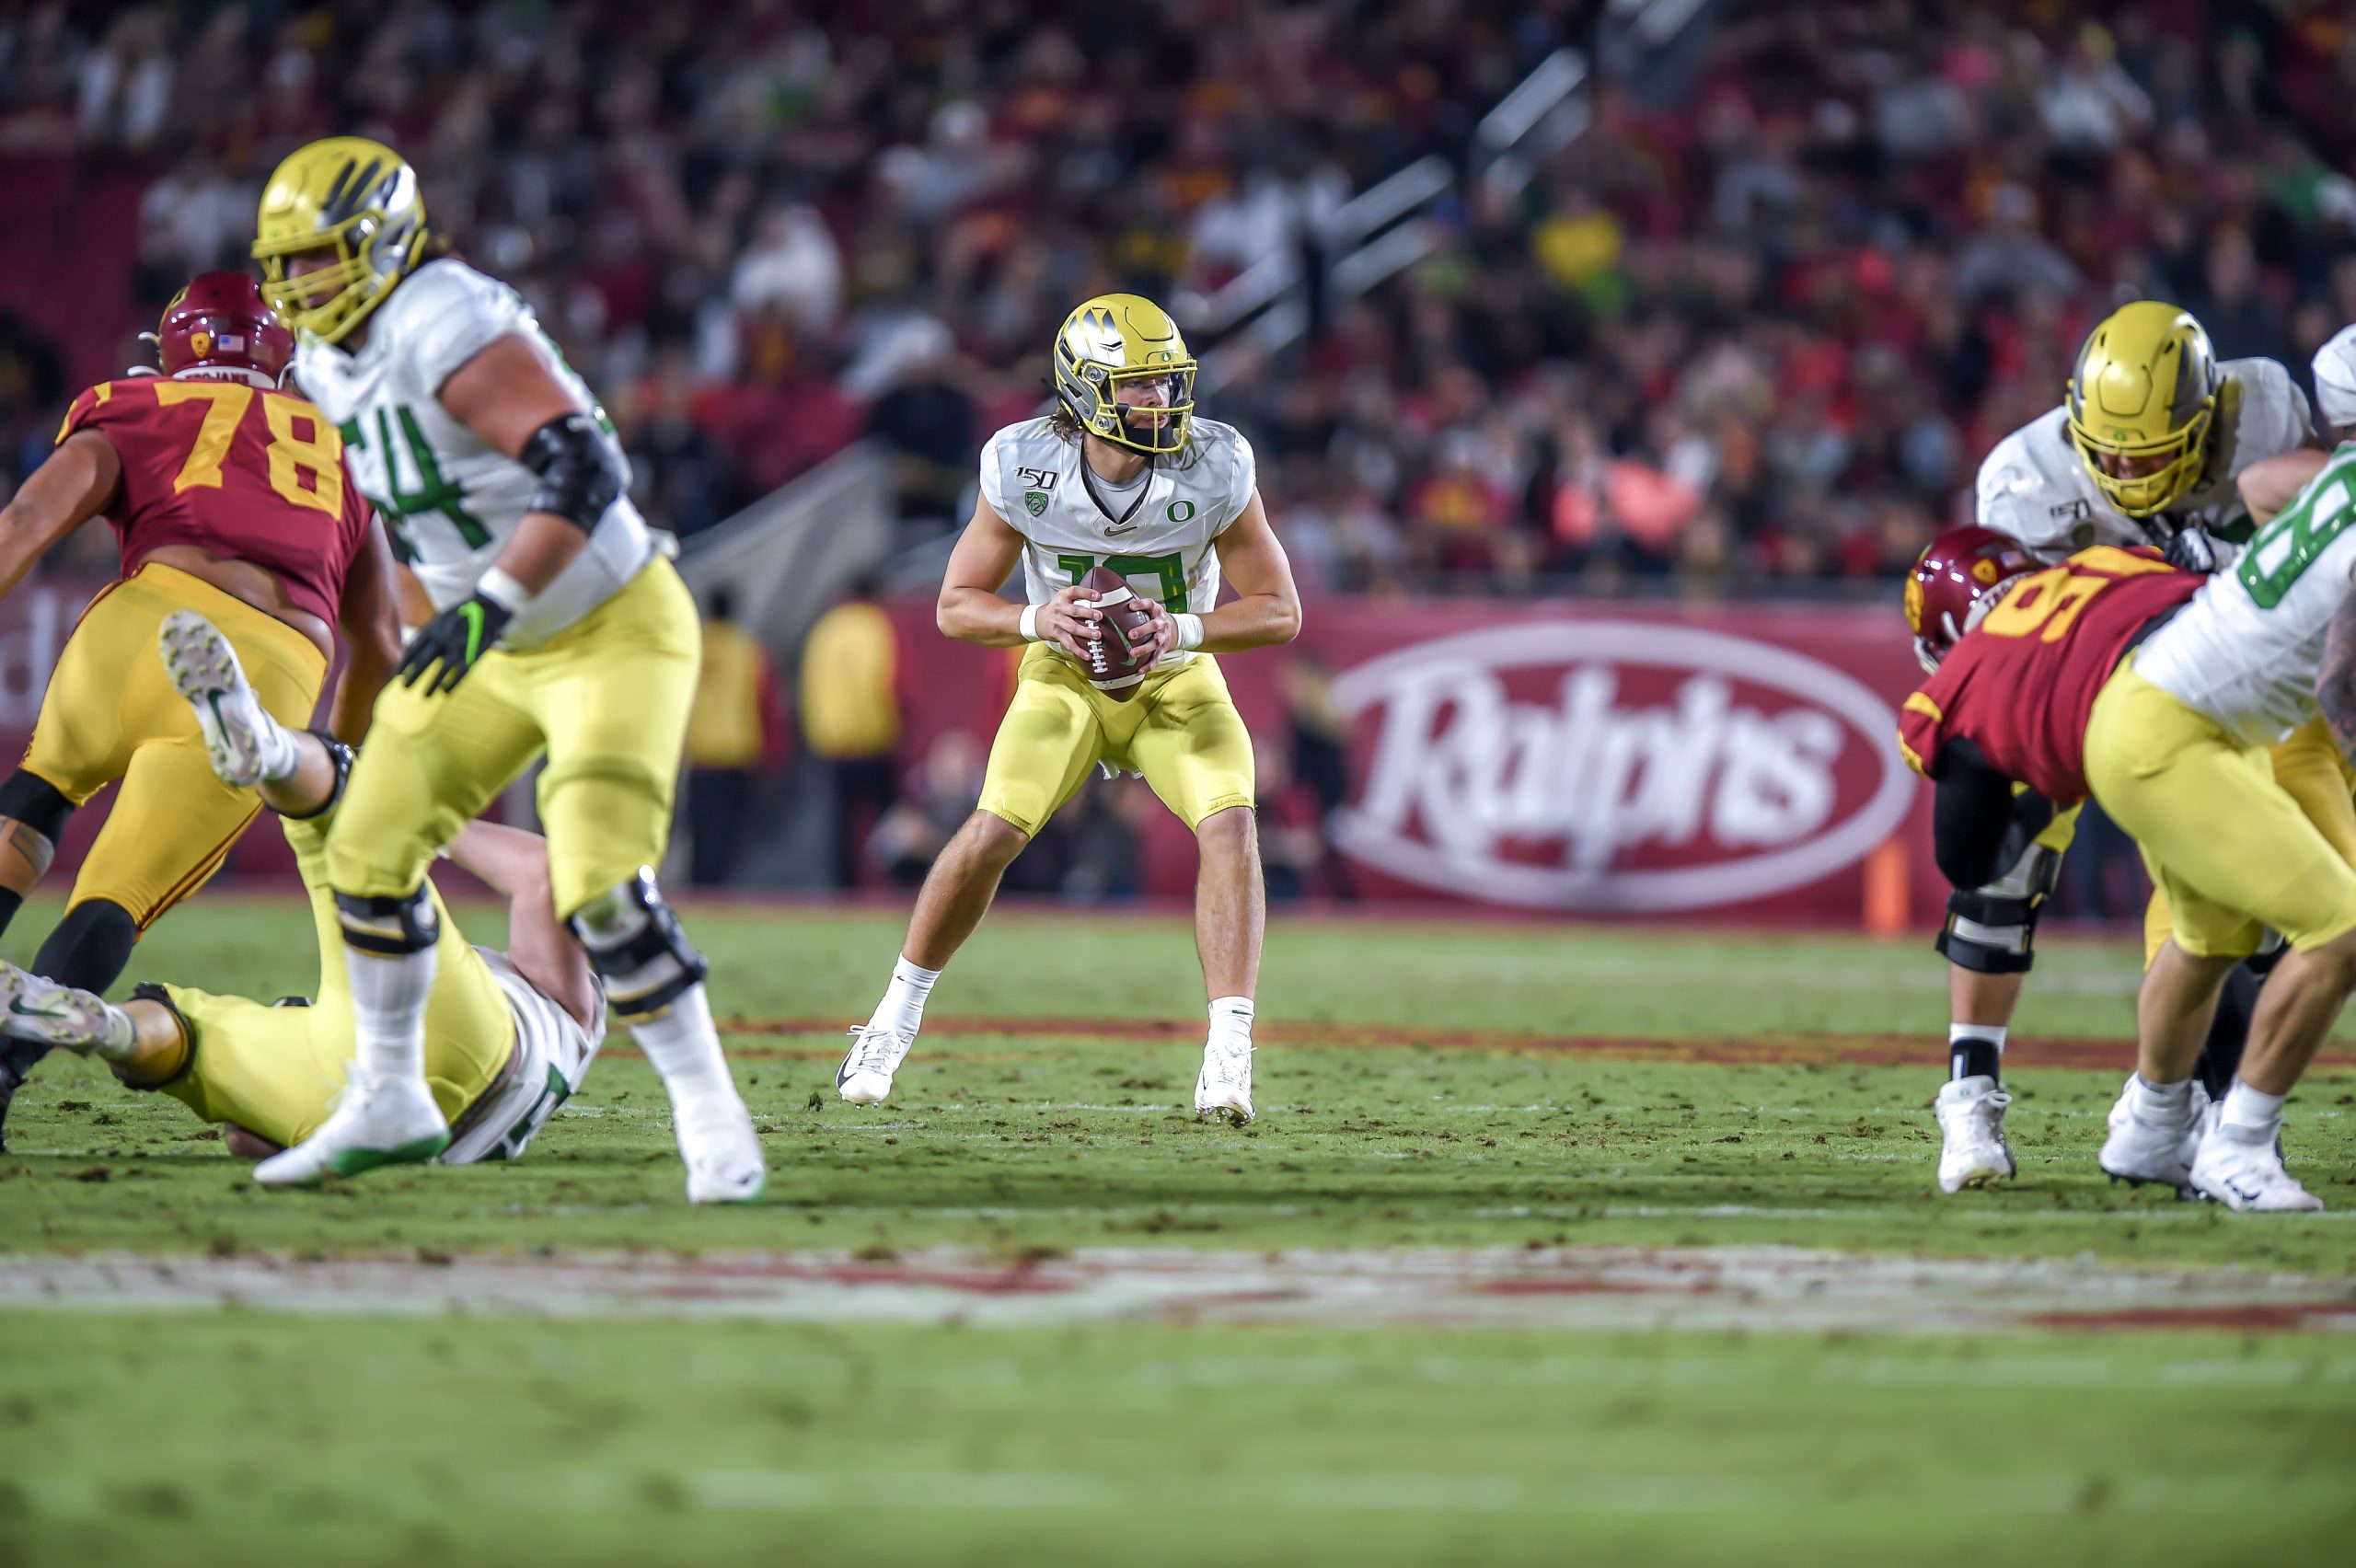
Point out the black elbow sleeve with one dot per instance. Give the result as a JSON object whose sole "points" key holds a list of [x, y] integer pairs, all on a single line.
{"points": [[579, 475]]}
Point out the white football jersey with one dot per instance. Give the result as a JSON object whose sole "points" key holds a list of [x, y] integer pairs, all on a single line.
{"points": [[2247, 647], [450, 499], [2035, 488], [552, 1057], [1157, 532], [2335, 368]]}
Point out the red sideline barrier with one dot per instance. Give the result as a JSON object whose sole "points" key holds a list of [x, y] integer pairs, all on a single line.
{"points": [[1719, 761]]}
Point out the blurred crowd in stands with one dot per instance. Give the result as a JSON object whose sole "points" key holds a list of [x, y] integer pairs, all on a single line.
{"points": [[1750, 332]]}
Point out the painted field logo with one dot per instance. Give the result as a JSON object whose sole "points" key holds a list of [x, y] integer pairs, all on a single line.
{"points": [[1616, 765]]}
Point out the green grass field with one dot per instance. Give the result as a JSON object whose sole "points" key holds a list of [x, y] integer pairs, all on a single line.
{"points": [[1531, 1092]]}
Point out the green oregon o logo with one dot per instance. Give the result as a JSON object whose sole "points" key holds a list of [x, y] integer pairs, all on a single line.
{"points": [[1182, 510]]}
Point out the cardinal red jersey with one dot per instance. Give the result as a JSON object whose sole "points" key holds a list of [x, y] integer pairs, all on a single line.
{"points": [[246, 472], [2022, 684]]}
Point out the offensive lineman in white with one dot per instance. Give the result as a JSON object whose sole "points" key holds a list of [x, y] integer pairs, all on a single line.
{"points": [[2151, 446], [2175, 754], [560, 627], [1122, 475]]}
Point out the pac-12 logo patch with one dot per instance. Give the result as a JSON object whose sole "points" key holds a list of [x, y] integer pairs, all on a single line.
{"points": [[1035, 503]]}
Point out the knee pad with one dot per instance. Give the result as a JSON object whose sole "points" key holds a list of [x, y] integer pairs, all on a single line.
{"points": [[340, 755], [30, 799], [1992, 930], [636, 948], [89, 947], [389, 927]]}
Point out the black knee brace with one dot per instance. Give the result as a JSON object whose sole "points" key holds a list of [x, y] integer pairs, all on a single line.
{"points": [[636, 945], [1992, 930], [30, 799], [389, 927], [89, 947]]}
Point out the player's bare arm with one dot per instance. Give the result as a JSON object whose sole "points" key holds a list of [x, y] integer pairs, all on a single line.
{"points": [[2335, 682], [972, 610], [370, 619], [506, 396], [515, 863], [1265, 611], [65, 492], [2273, 483]]}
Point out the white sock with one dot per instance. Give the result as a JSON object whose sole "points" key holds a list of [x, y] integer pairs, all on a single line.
{"points": [[388, 995], [2252, 1113], [279, 755], [1993, 1032], [2161, 1102], [1231, 1022], [684, 1045], [902, 1008], [121, 1042]]}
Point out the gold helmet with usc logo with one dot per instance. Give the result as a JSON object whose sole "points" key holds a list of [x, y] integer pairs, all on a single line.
{"points": [[1124, 342], [355, 199], [2143, 402], [1958, 578]]}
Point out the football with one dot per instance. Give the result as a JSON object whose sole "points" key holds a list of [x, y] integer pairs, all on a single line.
{"points": [[1111, 668]]}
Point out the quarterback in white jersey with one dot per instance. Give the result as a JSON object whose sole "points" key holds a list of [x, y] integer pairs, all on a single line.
{"points": [[559, 630], [510, 1036], [2175, 751], [1124, 477], [2151, 446]]}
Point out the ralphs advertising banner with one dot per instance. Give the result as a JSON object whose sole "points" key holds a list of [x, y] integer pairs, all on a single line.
{"points": [[1613, 765], [1594, 758]]}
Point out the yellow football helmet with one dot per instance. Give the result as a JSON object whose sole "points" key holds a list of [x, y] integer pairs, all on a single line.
{"points": [[2142, 402], [1120, 341], [361, 198]]}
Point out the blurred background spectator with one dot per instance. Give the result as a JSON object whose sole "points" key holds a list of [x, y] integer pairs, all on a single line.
{"points": [[736, 734], [1749, 330]]}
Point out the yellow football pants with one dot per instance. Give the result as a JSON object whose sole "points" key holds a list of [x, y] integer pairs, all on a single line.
{"points": [[2309, 768], [1180, 730], [2231, 848], [276, 1071], [111, 712], [608, 699]]}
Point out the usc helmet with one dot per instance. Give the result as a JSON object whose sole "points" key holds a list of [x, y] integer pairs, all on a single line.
{"points": [[355, 197], [2142, 402], [220, 326], [1958, 578], [1120, 340]]}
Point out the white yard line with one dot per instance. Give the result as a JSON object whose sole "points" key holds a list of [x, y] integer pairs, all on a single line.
{"points": [[1707, 1288]]}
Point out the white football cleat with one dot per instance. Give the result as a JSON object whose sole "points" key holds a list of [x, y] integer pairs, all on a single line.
{"points": [[876, 1053], [1223, 1088], [389, 1121], [2137, 1150], [39, 1010], [722, 1153], [2244, 1175], [1971, 1118], [203, 669]]}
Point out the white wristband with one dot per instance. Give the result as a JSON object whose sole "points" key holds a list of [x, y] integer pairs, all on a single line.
{"points": [[502, 590], [1190, 631], [1029, 626]]}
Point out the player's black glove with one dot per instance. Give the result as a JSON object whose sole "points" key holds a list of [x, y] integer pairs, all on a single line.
{"points": [[454, 640], [2190, 550]]}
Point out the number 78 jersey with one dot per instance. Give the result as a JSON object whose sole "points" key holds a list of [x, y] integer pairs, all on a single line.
{"points": [[243, 472], [1159, 536], [451, 500], [2248, 650]]}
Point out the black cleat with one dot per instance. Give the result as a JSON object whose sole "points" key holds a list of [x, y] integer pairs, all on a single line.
{"points": [[17, 1059]]}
